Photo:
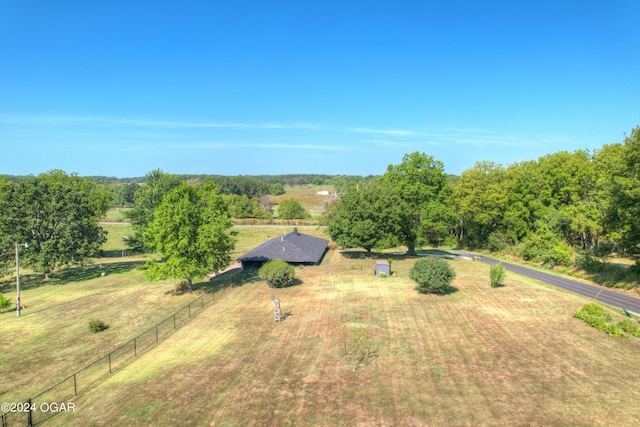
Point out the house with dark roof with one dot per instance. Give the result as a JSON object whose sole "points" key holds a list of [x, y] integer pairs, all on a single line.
{"points": [[295, 248]]}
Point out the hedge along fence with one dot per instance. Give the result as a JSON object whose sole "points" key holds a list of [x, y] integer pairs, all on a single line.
{"points": [[37, 409]]}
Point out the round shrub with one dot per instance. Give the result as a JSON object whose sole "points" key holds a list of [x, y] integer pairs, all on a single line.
{"points": [[433, 275], [277, 273], [97, 326]]}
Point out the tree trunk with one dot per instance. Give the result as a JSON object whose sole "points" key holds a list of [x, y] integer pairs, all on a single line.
{"points": [[189, 284], [411, 248]]}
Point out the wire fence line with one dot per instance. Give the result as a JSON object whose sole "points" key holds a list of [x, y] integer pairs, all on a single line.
{"points": [[58, 397]]}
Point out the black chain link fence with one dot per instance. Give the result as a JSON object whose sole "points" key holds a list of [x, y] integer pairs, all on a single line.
{"points": [[59, 397]]}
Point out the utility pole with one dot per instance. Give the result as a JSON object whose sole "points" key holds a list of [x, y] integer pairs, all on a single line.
{"points": [[26, 245]]}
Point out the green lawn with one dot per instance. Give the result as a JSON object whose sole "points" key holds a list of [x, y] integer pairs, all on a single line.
{"points": [[477, 356], [513, 355]]}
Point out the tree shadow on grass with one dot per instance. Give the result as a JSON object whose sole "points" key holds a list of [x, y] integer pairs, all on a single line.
{"points": [[231, 279], [451, 290], [296, 282], [376, 255], [395, 256], [68, 275]]}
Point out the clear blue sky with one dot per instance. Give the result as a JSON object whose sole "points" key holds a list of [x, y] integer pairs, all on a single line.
{"points": [[119, 88]]}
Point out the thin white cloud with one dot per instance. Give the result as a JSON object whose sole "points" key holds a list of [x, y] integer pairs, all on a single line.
{"points": [[395, 132], [298, 147], [385, 144], [469, 137], [101, 121]]}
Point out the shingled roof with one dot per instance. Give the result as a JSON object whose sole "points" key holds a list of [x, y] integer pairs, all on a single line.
{"points": [[292, 247]]}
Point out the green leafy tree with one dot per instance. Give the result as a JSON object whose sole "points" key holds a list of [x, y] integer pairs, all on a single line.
{"points": [[7, 226], [545, 246], [433, 275], [191, 232], [58, 215], [124, 195], [276, 189], [277, 273], [147, 199], [244, 207], [480, 201], [624, 211], [424, 190], [291, 209], [367, 216]]}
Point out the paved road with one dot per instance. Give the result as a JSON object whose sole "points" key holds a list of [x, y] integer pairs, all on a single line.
{"points": [[625, 302]]}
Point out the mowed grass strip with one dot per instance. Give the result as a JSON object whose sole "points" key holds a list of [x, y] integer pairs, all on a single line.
{"points": [[477, 356]]}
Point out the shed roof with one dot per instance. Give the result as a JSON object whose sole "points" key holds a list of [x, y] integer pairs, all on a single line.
{"points": [[291, 247]]}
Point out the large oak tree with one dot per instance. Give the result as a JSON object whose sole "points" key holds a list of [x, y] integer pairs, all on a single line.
{"points": [[366, 216], [57, 214], [191, 233], [424, 190]]}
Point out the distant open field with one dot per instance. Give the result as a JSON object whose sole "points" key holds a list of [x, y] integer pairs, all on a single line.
{"points": [[308, 197]]}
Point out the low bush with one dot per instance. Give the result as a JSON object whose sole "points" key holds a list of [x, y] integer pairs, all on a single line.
{"points": [[595, 316], [5, 303], [547, 249], [630, 327], [497, 273], [277, 273], [96, 326], [433, 275]]}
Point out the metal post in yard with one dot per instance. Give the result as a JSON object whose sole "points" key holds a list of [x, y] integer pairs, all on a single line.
{"points": [[174, 321], [135, 349], [75, 386], [156, 333], [202, 299], [189, 310], [109, 356], [29, 419]]}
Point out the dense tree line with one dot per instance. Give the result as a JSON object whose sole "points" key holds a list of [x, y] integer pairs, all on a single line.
{"points": [[544, 210], [57, 214]]}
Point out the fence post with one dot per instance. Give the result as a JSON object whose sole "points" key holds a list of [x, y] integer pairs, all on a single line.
{"points": [[109, 356], [156, 333], [174, 321], [135, 349], [202, 299], [189, 310], [75, 386], [29, 419]]}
